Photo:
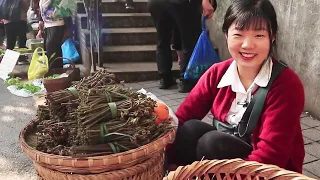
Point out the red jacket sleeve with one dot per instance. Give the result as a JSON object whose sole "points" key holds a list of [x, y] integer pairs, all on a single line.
{"points": [[280, 121], [199, 101]]}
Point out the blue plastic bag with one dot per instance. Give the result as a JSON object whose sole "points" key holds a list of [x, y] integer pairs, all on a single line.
{"points": [[69, 51], [203, 56]]}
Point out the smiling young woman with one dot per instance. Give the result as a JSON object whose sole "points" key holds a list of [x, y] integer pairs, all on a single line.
{"points": [[226, 89]]}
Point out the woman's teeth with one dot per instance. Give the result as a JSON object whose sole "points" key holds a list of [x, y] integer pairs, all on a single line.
{"points": [[247, 55]]}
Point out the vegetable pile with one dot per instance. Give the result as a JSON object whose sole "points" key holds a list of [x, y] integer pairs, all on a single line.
{"points": [[98, 117], [21, 85], [2, 52], [53, 76], [16, 81]]}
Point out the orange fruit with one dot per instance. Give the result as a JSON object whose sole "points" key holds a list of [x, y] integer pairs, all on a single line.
{"points": [[162, 112]]}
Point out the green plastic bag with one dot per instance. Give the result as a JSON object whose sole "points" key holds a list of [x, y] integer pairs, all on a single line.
{"points": [[38, 65]]}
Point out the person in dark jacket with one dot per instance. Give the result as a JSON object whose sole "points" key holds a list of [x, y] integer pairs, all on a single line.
{"points": [[186, 15], [16, 28]]}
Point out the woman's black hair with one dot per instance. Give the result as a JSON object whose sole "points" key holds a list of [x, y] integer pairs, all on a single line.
{"points": [[248, 13]]}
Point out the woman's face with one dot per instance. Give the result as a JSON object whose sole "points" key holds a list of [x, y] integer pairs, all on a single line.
{"points": [[249, 47]]}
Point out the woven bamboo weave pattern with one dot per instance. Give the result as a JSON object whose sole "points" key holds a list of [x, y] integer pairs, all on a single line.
{"points": [[151, 169], [96, 164], [237, 169]]}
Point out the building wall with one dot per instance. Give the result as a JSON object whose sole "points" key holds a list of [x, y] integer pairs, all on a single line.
{"points": [[298, 42]]}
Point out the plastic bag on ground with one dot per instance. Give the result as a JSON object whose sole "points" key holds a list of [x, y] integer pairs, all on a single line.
{"points": [[70, 51], [38, 65]]}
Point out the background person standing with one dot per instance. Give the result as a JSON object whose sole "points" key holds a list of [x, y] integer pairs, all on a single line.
{"points": [[186, 15], [16, 26]]}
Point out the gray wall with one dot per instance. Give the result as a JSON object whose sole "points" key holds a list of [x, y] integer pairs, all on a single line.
{"points": [[298, 42]]}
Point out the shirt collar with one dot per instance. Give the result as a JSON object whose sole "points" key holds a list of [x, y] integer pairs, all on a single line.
{"points": [[231, 76]]}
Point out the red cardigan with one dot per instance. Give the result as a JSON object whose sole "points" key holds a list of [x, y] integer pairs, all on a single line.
{"points": [[277, 138]]}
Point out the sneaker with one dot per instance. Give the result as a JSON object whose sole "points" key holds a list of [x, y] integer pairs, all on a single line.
{"points": [[22, 60], [166, 83], [129, 6], [185, 86]]}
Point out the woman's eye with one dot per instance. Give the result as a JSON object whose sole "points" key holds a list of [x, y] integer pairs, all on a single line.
{"points": [[237, 35], [260, 35]]}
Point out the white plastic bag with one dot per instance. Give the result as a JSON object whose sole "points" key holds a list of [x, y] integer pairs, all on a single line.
{"points": [[154, 97], [19, 92], [25, 93]]}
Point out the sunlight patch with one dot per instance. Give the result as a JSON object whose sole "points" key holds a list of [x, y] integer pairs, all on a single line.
{"points": [[7, 118], [11, 109]]}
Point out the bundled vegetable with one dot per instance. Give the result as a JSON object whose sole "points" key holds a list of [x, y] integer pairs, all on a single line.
{"points": [[100, 78], [98, 118]]}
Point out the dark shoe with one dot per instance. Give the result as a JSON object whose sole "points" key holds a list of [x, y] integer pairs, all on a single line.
{"points": [[129, 6], [185, 86], [166, 83], [22, 60]]}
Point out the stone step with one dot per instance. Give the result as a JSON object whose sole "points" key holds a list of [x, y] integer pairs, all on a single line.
{"points": [[120, 20], [110, 6], [131, 53], [125, 36], [137, 71]]}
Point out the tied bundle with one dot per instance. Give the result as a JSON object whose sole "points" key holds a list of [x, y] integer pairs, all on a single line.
{"points": [[97, 118]]}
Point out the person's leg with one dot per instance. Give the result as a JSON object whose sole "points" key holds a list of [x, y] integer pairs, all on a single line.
{"points": [[164, 25], [22, 33], [188, 19], [2, 34], [187, 138], [177, 45], [54, 36], [219, 145], [11, 34]]}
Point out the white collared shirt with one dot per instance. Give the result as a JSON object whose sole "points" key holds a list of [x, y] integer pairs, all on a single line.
{"points": [[231, 78]]}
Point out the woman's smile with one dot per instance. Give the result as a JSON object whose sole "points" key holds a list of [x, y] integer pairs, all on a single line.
{"points": [[247, 56]]}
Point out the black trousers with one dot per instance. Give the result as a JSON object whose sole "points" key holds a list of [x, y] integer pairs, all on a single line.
{"points": [[53, 41], [2, 33], [187, 17], [14, 30], [196, 140], [177, 45]]}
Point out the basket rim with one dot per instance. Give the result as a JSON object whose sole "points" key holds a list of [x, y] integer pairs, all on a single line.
{"points": [[53, 159], [141, 168], [237, 167]]}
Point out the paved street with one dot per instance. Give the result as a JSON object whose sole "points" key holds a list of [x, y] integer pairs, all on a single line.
{"points": [[15, 112]]}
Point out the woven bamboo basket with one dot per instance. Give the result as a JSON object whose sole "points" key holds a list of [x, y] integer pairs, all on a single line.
{"points": [[151, 169], [52, 85], [232, 169], [96, 164]]}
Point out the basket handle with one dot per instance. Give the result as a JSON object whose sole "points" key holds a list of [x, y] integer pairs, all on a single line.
{"points": [[71, 62]]}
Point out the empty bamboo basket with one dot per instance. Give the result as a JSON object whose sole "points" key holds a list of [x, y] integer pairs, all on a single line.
{"points": [[232, 169]]}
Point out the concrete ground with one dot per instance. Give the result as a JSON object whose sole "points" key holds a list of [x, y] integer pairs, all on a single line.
{"points": [[15, 112]]}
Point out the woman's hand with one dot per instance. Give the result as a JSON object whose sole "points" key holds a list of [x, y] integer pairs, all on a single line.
{"points": [[40, 32], [207, 9], [39, 35], [180, 56]]}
